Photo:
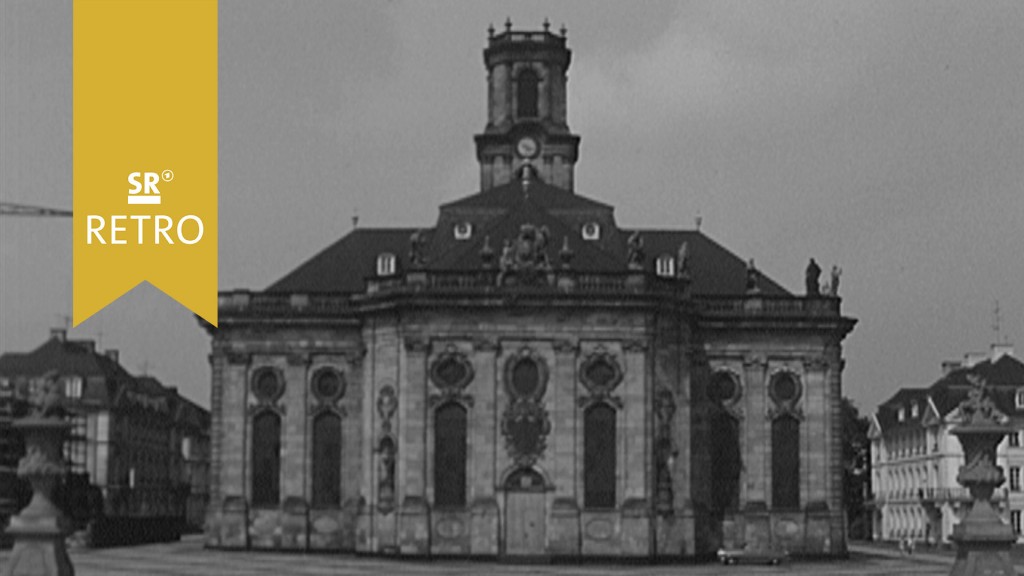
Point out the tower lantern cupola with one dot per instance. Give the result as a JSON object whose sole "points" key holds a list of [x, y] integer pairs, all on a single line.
{"points": [[526, 109]]}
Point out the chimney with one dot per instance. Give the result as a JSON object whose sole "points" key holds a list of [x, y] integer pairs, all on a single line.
{"points": [[89, 345], [950, 365], [1000, 350], [59, 333], [113, 355]]}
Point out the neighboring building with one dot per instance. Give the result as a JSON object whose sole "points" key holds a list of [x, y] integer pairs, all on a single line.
{"points": [[125, 453], [193, 435], [916, 459], [526, 378]]}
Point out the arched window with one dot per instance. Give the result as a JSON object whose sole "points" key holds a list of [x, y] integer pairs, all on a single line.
{"points": [[599, 457], [450, 455], [526, 94], [327, 460], [786, 462], [266, 459], [725, 461]]}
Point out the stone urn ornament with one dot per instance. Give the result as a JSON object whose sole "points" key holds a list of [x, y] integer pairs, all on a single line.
{"points": [[39, 529], [982, 539]]}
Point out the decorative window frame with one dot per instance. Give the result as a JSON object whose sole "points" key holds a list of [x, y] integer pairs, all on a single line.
{"points": [[451, 391], [526, 353], [321, 403], [731, 404], [600, 392], [1019, 399], [259, 402], [665, 266], [785, 406], [590, 231]]}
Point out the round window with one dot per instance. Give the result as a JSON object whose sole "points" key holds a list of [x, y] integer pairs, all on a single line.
{"points": [[450, 373], [328, 384], [525, 377], [785, 388], [601, 373], [267, 386], [722, 388]]}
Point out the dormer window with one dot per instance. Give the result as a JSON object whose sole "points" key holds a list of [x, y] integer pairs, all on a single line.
{"points": [[901, 414], [463, 231], [1020, 399], [591, 231], [386, 264], [913, 410], [73, 387], [665, 266]]}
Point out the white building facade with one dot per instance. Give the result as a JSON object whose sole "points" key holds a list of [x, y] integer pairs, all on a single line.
{"points": [[916, 458]]}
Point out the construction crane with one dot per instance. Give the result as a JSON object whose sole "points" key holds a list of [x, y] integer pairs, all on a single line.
{"points": [[12, 209]]}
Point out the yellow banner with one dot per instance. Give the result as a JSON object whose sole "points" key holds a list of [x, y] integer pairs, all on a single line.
{"points": [[145, 152]]}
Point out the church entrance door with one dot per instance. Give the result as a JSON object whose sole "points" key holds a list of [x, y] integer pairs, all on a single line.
{"points": [[525, 516]]}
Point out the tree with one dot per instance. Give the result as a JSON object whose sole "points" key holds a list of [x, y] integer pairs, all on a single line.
{"points": [[856, 469]]}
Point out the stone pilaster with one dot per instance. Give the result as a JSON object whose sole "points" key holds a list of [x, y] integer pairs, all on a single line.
{"points": [[234, 418], [482, 423], [562, 390], [756, 453], [634, 429], [294, 464], [815, 434]]}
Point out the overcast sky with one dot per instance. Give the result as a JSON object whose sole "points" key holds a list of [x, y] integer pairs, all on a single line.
{"points": [[887, 137]]}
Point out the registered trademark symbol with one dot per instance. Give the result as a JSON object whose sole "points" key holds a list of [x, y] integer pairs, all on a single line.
{"points": [[167, 175]]}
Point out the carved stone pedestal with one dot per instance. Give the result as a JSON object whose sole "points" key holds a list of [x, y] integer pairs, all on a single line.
{"points": [[40, 528], [982, 539]]}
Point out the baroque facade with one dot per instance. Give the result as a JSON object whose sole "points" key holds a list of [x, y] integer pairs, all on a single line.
{"points": [[526, 378], [916, 459]]}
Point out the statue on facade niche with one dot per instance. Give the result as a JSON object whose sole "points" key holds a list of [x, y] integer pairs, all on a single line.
{"points": [[834, 286], [386, 473], [813, 275], [752, 278], [635, 254], [683, 261], [417, 242]]}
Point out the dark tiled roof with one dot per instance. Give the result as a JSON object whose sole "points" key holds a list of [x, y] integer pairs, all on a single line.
{"points": [[1005, 377], [545, 195], [67, 357], [903, 398], [715, 271], [342, 266], [497, 215], [465, 255]]}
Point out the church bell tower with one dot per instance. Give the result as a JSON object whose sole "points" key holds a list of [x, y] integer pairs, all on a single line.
{"points": [[526, 109]]}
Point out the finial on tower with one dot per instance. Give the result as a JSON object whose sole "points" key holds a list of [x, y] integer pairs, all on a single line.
{"points": [[564, 30], [490, 30], [508, 24], [547, 25]]}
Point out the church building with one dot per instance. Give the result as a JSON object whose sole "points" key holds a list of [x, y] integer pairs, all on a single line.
{"points": [[524, 378]]}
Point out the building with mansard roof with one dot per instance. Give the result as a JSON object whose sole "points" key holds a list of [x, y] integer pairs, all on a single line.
{"points": [[137, 455], [916, 459], [527, 378]]}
